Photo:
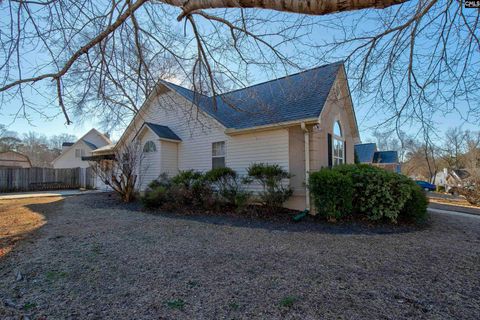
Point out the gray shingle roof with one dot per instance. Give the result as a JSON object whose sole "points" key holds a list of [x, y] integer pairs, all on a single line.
{"points": [[365, 152], [91, 145], [294, 97], [385, 157], [163, 131]]}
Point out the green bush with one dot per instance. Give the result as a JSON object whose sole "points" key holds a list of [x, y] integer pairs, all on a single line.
{"points": [[377, 193], [332, 193], [416, 206], [229, 187], [270, 177], [192, 189], [155, 197]]}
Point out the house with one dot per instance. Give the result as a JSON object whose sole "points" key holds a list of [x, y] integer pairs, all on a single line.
{"points": [[302, 122], [72, 153], [368, 153], [13, 159]]}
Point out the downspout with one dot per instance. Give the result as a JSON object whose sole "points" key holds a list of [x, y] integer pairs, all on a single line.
{"points": [[306, 136]]}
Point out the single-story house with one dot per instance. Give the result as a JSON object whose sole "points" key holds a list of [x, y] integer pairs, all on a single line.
{"points": [[368, 153], [13, 159], [302, 122], [72, 153]]}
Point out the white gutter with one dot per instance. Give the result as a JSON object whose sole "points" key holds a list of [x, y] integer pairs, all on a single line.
{"points": [[278, 125], [307, 164]]}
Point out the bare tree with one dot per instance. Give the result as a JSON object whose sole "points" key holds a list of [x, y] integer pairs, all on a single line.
{"points": [[421, 58], [122, 172]]}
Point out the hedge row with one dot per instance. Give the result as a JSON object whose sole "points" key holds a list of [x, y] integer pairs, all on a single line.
{"points": [[363, 189]]}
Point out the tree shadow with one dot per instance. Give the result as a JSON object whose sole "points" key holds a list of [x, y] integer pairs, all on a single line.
{"points": [[21, 218]]}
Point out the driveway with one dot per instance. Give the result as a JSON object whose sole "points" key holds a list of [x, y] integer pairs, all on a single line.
{"points": [[92, 258]]}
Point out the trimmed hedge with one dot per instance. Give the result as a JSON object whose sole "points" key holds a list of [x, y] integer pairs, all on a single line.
{"points": [[376, 193], [333, 193]]}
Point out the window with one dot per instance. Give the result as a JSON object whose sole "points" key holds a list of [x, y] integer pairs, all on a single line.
{"points": [[79, 153], [218, 154], [338, 145], [149, 146]]}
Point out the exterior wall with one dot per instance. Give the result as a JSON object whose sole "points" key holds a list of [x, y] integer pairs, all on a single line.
{"points": [[198, 132], [68, 159], [13, 159], [169, 157], [335, 109], [150, 161]]}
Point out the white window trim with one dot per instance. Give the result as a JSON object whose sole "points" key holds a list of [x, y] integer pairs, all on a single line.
{"points": [[224, 152], [340, 139]]}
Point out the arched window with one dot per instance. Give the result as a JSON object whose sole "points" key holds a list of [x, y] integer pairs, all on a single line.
{"points": [[338, 145], [149, 146]]}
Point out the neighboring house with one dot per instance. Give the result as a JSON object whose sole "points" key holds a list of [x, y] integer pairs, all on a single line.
{"points": [[302, 122], [457, 177], [13, 159], [72, 153], [368, 153]]}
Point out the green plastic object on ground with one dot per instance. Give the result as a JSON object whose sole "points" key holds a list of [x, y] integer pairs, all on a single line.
{"points": [[300, 216]]}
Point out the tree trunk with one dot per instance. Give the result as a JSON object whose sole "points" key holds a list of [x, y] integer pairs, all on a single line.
{"points": [[314, 7]]}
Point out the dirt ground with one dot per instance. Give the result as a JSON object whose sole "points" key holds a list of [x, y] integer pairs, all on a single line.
{"points": [[88, 257]]}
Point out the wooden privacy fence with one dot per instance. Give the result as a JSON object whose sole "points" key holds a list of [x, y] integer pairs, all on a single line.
{"points": [[31, 179]]}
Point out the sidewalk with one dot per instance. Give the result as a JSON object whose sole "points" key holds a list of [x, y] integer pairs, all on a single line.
{"points": [[41, 194]]}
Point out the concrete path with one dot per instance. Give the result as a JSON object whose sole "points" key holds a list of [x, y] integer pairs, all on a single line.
{"points": [[41, 194], [454, 213]]}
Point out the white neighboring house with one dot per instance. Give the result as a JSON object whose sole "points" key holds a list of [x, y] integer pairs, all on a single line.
{"points": [[302, 122], [72, 153]]}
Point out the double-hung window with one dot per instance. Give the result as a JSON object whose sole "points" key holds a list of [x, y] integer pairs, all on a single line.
{"points": [[218, 154]]}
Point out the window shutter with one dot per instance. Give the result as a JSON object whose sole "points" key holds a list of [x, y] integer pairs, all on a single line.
{"points": [[330, 158], [345, 152]]}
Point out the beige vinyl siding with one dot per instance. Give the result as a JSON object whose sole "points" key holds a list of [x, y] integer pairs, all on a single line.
{"points": [[169, 157], [150, 161], [199, 131]]}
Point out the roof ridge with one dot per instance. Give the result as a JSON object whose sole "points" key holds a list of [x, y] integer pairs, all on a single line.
{"points": [[286, 76], [257, 84]]}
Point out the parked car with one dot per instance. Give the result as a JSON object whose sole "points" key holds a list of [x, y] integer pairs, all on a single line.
{"points": [[427, 186]]}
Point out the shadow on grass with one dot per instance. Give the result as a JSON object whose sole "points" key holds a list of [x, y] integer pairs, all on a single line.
{"points": [[20, 218]]}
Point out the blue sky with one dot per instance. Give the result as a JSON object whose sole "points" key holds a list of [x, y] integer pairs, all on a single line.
{"points": [[54, 122]]}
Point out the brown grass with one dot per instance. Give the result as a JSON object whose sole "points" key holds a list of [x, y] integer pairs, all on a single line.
{"points": [[17, 220]]}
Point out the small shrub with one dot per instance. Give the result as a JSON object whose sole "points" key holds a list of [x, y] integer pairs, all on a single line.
{"points": [[416, 206], [155, 197], [332, 193], [271, 177], [229, 187], [191, 188]]}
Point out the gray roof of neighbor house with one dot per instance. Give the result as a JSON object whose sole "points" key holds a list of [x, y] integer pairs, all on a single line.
{"points": [[67, 144], [294, 97], [91, 145], [365, 152], [385, 157], [162, 131], [461, 173]]}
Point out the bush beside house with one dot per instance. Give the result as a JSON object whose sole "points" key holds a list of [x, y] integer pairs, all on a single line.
{"points": [[220, 188], [362, 189]]}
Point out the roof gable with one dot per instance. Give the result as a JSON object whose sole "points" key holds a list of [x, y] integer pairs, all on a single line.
{"points": [[162, 132], [294, 97]]}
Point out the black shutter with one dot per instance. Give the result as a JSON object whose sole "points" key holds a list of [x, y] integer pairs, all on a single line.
{"points": [[330, 159], [345, 152]]}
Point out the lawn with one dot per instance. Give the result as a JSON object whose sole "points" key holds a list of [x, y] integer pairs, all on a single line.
{"points": [[87, 257]]}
